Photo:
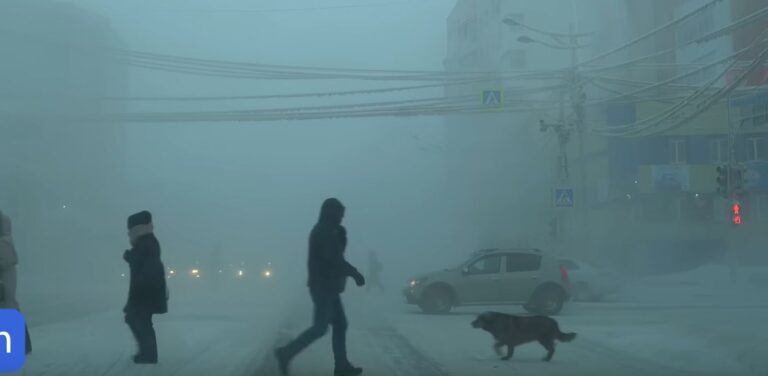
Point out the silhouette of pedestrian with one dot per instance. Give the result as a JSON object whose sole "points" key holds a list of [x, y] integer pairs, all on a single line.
{"points": [[328, 272], [147, 294], [8, 261], [374, 272]]}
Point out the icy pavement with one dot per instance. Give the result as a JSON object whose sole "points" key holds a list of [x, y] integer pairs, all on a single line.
{"points": [[209, 335], [389, 338]]}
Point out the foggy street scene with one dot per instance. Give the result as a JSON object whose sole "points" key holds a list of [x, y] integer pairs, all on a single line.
{"points": [[383, 187]]}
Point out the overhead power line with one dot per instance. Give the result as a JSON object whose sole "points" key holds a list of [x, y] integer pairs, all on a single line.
{"points": [[288, 10], [653, 32]]}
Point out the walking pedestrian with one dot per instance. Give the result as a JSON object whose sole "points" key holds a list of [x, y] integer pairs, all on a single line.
{"points": [[328, 272], [374, 272], [147, 294]]}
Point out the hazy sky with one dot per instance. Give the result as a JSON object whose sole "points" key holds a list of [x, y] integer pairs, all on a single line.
{"points": [[259, 185]]}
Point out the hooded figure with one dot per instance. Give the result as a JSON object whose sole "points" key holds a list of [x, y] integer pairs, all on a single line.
{"points": [[8, 261], [328, 272], [147, 294]]}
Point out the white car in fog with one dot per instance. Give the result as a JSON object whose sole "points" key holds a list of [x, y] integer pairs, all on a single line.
{"points": [[590, 283]]}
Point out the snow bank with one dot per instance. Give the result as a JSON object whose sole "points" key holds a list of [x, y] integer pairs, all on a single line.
{"points": [[706, 285]]}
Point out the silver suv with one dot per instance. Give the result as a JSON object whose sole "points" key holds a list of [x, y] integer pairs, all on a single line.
{"points": [[527, 277]]}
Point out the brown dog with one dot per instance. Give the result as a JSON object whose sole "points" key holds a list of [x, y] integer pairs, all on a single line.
{"points": [[511, 331]]}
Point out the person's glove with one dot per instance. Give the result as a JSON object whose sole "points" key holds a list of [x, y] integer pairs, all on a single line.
{"points": [[359, 279]]}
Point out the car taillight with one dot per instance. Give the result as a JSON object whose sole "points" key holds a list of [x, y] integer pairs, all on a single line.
{"points": [[564, 274]]}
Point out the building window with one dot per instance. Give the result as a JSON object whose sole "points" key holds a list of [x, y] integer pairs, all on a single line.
{"points": [[755, 149], [468, 29], [677, 152], [719, 153], [759, 115], [515, 59]]}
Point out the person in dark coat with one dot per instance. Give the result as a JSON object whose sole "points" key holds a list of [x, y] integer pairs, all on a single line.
{"points": [[328, 273], [147, 294]]}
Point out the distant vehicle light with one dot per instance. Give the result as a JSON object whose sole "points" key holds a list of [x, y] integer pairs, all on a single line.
{"points": [[267, 273], [172, 271], [122, 275], [239, 273], [195, 273]]}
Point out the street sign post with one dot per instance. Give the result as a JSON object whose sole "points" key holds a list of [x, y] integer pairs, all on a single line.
{"points": [[493, 99], [564, 198]]}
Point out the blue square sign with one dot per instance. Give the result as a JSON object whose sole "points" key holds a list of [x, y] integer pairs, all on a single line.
{"points": [[12, 340], [564, 197]]}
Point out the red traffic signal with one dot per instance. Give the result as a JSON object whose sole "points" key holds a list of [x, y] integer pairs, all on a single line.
{"points": [[736, 210]]}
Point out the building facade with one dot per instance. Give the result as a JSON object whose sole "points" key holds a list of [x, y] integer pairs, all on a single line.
{"points": [[646, 201], [57, 176]]}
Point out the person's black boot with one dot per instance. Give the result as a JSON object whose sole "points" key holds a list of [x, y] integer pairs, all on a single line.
{"points": [[27, 340], [144, 359], [347, 370], [282, 360]]}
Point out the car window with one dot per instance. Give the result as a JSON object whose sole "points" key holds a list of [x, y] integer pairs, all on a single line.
{"points": [[523, 262], [569, 264], [486, 265]]}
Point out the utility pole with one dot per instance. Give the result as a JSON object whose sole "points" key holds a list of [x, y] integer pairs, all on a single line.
{"points": [[567, 124], [578, 98], [730, 238]]}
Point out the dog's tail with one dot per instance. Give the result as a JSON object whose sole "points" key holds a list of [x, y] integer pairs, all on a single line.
{"points": [[566, 337]]}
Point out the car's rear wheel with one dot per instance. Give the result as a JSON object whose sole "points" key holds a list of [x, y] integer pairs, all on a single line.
{"points": [[436, 301], [546, 301]]}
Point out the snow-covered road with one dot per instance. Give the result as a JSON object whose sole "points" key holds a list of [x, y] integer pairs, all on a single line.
{"points": [[227, 336], [388, 338], [208, 335]]}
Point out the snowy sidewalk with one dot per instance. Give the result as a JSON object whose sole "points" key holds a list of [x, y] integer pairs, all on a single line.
{"points": [[211, 337]]}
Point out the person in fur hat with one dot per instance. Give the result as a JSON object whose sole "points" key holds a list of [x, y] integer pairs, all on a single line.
{"points": [[147, 294]]}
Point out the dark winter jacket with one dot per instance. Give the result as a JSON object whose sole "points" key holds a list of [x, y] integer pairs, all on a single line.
{"points": [[147, 290], [328, 270]]}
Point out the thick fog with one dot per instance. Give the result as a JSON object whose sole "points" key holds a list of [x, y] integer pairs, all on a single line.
{"points": [[254, 190], [232, 121]]}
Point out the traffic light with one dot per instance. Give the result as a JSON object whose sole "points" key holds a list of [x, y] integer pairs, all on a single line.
{"points": [[722, 180], [736, 211], [739, 180]]}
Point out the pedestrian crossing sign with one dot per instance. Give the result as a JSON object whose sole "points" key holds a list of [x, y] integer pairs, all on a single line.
{"points": [[493, 98], [564, 198]]}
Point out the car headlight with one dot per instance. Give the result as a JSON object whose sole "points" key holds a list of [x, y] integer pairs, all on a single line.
{"points": [[415, 282]]}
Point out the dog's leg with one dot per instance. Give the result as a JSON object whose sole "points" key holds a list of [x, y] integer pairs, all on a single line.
{"points": [[497, 347], [510, 352], [548, 344]]}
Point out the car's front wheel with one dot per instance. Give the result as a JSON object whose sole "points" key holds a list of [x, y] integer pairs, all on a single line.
{"points": [[436, 301], [546, 301]]}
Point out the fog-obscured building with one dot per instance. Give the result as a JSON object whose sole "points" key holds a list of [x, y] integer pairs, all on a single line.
{"points": [[646, 195], [58, 175]]}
